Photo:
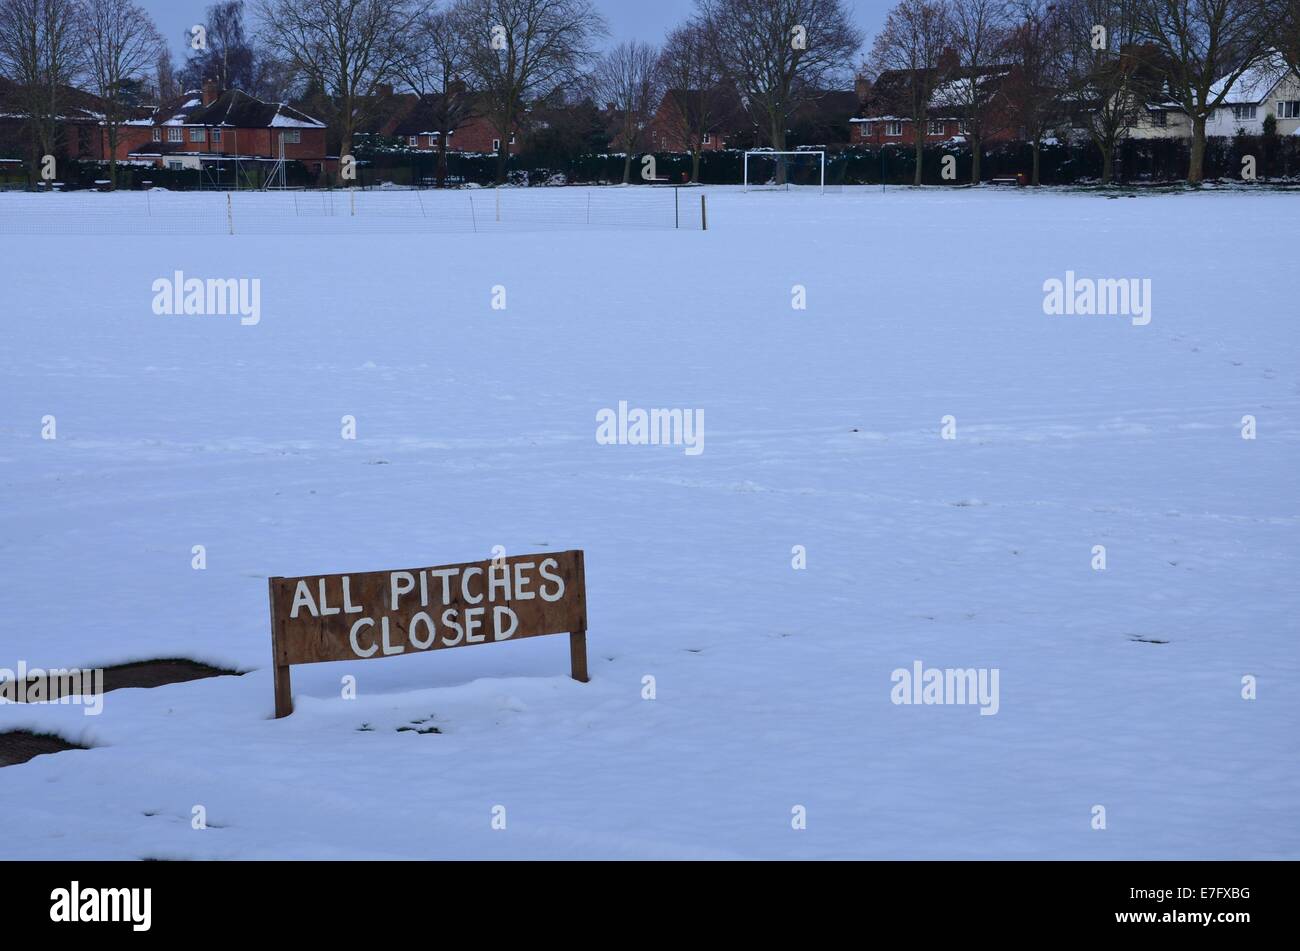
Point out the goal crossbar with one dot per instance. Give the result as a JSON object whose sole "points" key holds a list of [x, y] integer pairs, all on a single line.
{"points": [[821, 155]]}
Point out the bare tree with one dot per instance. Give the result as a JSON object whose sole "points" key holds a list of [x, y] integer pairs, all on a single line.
{"points": [[344, 50], [1206, 46], [226, 57], [434, 65], [41, 53], [165, 83], [781, 54], [1035, 50], [1109, 77], [1288, 16], [691, 74], [979, 31], [911, 49], [525, 49], [121, 45], [627, 81]]}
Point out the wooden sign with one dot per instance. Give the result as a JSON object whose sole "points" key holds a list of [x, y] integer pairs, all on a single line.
{"points": [[389, 613]]}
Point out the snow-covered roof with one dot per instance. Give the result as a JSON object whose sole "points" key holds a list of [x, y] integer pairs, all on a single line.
{"points": [[1253, 85], [232, 109], [954, 93]]}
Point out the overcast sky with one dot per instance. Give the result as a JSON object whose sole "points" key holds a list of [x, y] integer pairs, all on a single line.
{"points": [[645, 20]]}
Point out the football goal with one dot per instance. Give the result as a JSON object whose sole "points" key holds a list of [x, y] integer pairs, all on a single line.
{"points": [[766, 169]]}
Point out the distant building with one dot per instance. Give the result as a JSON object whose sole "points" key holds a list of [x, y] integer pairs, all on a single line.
{"points": [[79, 125], [720, 105], [210, 127], [413, 121], [883, 117], [1267, 88]]}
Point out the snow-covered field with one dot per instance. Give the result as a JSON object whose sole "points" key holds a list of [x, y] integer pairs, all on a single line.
{"points": [[476, 427]]}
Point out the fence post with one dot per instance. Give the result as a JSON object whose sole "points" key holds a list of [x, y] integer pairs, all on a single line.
{"points": [[704, 213]]}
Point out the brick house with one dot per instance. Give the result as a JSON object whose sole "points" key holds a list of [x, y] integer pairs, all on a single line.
{"points": [[201, 129], [722, 105], [414, 120], [883, 118], [80, 126]]}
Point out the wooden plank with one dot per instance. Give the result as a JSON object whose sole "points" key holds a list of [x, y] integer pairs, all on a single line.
{"points": [[318, 618], [283, 685], [578, 656]]}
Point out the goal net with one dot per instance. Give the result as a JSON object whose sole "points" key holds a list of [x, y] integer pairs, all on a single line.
{"points": [[766, 170]]}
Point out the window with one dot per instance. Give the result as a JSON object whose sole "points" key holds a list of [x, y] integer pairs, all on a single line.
{"points": [[175, 166], [292, 136], [174, 134], [496, 145], [864, 130], [1243, 112], [197, 135], [512, 138], [215, 136], [157, 134], [1160, 118], [936, 127], [708, 138], [413, 140], [1288, 108], [963, 127], [894, 128]]}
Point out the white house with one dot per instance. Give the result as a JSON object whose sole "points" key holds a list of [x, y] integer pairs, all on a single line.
{"points": [[1161, 120], [1267, 88]]}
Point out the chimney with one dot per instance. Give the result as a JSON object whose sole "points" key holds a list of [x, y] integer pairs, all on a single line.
{"points": [[862, 86], [211, 91], [384, 90]]}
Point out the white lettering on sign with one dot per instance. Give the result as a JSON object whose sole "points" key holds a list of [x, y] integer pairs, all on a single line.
{"points": [[522, 581], [372, 614]]}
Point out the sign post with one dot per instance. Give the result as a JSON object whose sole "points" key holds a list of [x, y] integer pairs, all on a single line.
{"points": [[321, 618]]}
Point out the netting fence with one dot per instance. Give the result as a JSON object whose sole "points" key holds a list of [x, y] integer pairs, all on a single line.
{"points": [[351, 212]]}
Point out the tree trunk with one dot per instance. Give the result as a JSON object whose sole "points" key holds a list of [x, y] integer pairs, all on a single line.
{"points": [[1033, 180], [695, 166], [778, 143], [503, 144], [627, 167], [112, 156], [1107, 162], [920, 154], [33, 162], [1196, 170], [976, 150], [442, 159]]}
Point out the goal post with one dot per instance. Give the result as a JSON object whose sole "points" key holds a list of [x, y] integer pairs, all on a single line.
{"points": [[768, 153]]}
